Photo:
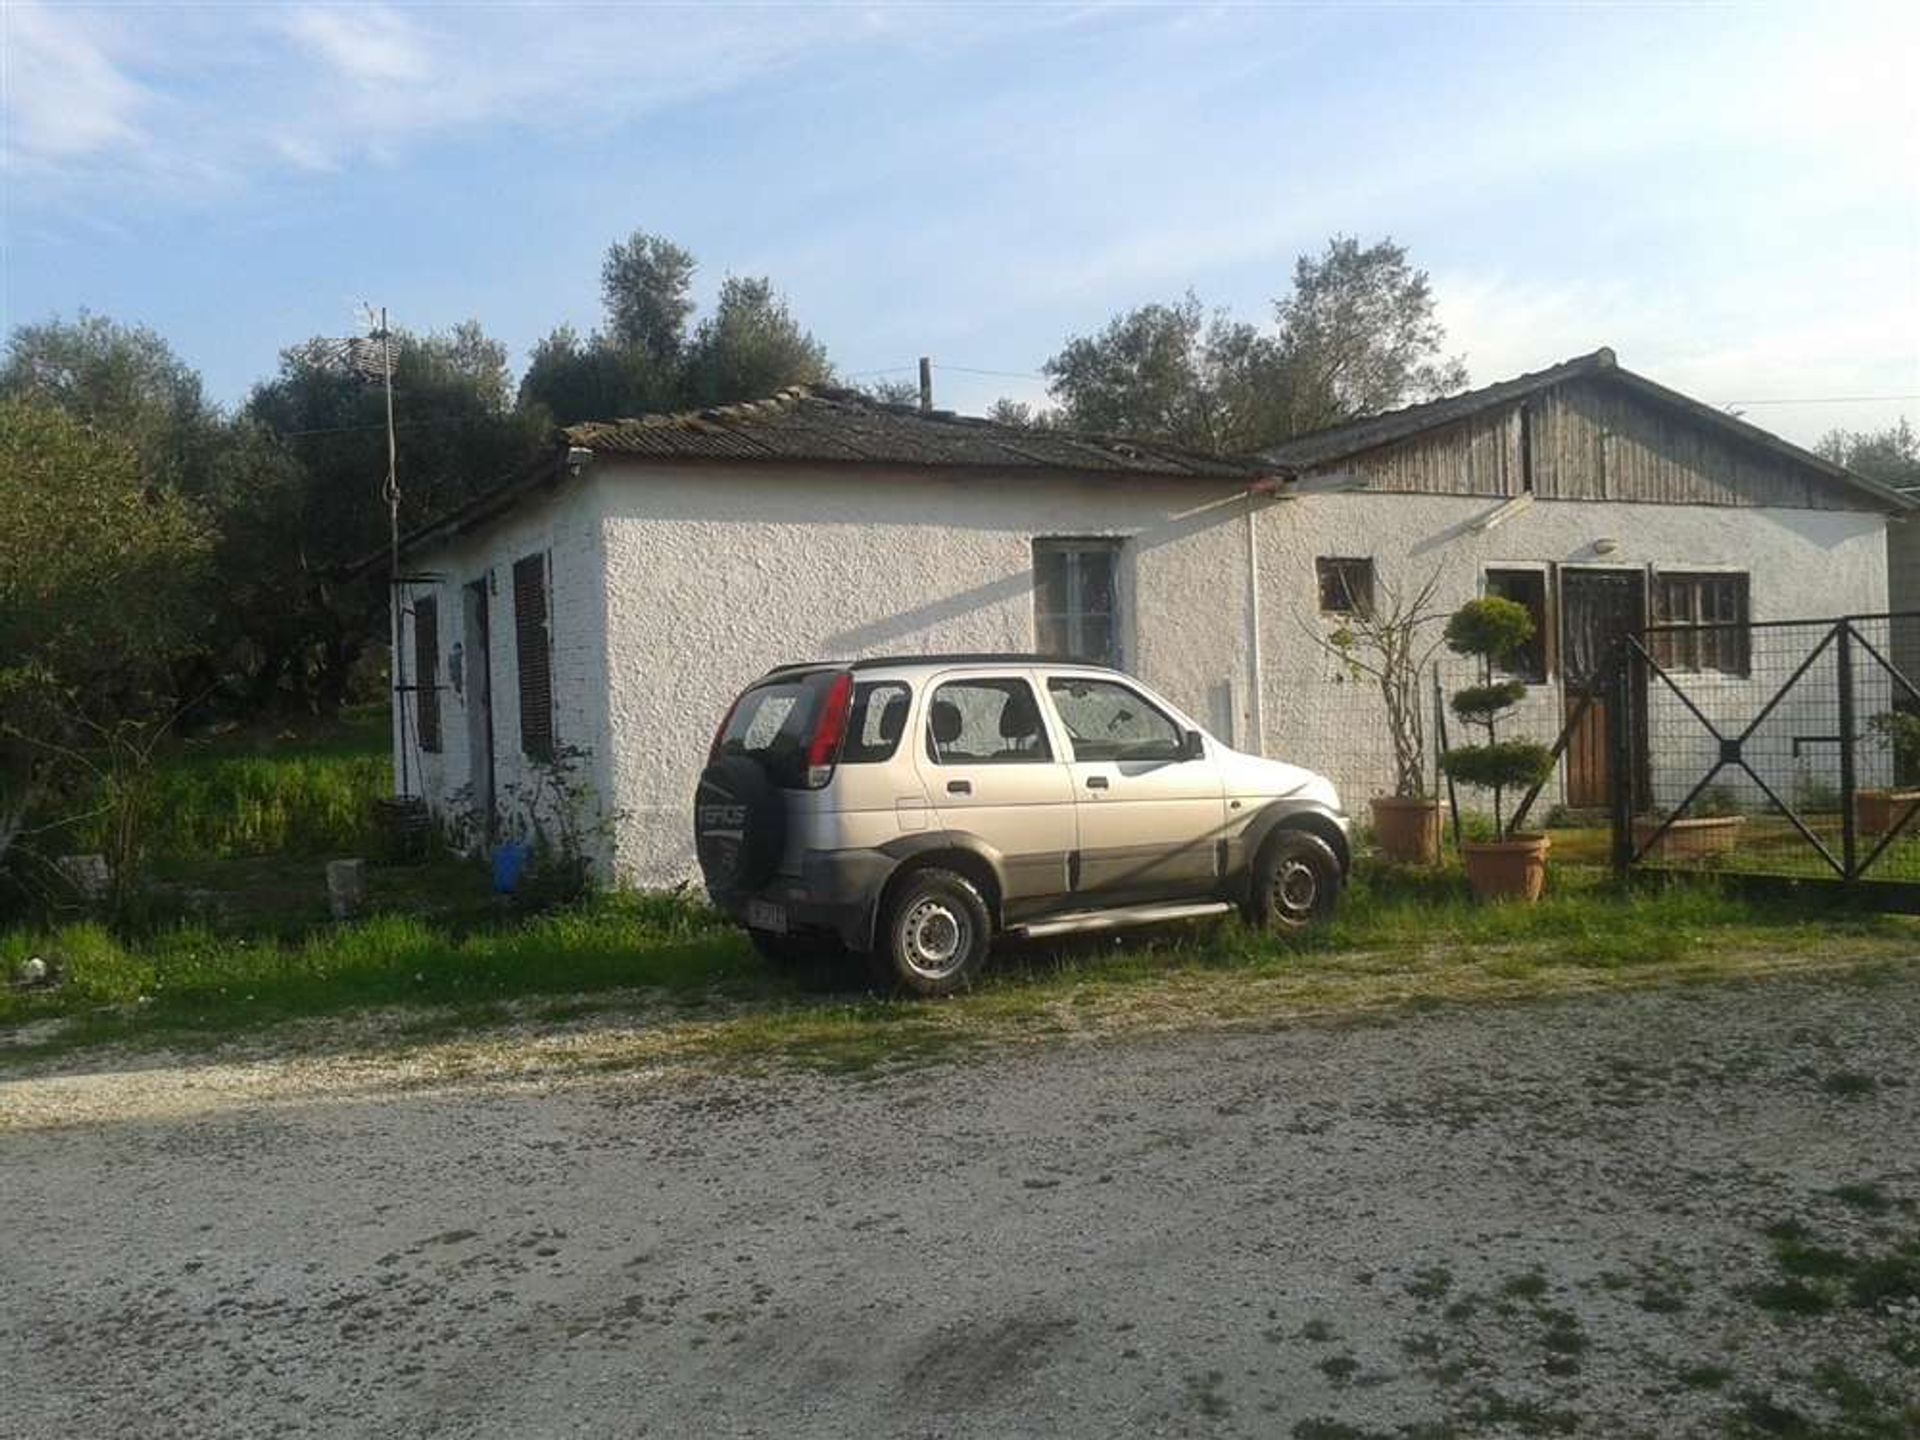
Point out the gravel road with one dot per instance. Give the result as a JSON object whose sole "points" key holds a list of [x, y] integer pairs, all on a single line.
{"points": [[1525, 1219]]}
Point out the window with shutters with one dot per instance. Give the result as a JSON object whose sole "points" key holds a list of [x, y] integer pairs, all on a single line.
{"points": [[426, 671], [1076, 599], [1715, 603], [533, 651]]}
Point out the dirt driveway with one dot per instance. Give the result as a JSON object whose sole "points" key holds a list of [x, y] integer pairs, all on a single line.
{"points": [[1666, 1214]]}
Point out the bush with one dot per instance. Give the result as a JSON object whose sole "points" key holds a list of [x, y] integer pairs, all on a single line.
{"points": [[1491, 629], [1501, 765], [1490, 626]]}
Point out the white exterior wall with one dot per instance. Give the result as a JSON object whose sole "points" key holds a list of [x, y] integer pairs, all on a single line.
{"points": [[672, 589], [565, 527], [1799, 563], [715, 576]]}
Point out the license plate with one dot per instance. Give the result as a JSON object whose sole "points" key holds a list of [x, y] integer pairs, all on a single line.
{"points": [[767, 915]]}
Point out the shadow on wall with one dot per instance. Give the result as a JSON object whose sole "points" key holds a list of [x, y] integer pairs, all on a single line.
{"points": [[889, 631]]}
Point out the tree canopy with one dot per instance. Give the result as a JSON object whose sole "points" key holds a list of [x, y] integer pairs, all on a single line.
{"points": [[647, 284], [1890, 456], [643, 359], [122, 379], [304, 480], [101, 590], [1356, 334]]}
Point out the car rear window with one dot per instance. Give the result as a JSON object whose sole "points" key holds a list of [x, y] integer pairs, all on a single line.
{"points": [[775, 719]]}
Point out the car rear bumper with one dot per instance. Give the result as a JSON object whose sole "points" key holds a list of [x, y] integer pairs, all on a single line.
{"points": [[835, 891]]}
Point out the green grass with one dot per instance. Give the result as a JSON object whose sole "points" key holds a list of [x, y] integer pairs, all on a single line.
{"points": [[1401, 940], [307, 789], [194, 981]]}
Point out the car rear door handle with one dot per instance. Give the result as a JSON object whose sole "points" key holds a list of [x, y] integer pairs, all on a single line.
{"points": [[1096, 782], [959, 787]]}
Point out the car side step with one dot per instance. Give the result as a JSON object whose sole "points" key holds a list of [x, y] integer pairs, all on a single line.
{"points": [[1119, 919]]}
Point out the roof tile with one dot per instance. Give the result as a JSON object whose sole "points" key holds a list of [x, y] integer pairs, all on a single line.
{"points": [[831, 425]]}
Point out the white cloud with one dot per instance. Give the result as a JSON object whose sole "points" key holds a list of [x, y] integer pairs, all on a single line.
{"points": [[370, 45], [229, 92], [64, 97]]}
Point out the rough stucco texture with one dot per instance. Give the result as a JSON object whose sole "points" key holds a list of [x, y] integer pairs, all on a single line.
{"points": [[1800, 563], [711, 580], [565, 528], [712, 576]]}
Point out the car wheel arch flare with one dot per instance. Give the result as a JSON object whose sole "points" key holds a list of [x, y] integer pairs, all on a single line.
{"points": [[967, 857], [1295, 815]]}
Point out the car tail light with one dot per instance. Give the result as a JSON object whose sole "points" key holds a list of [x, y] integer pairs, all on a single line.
{"points": [[720, 735], [829, 730]]}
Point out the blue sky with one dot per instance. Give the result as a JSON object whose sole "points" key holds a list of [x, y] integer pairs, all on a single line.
{"points": [[1729, 196]]}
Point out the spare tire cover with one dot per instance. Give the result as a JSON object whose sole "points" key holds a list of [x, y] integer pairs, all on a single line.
{"points": [[739, 825]]}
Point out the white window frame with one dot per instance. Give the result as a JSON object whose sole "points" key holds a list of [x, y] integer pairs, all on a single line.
{"points": [[1073, 547], [1549, 613]]}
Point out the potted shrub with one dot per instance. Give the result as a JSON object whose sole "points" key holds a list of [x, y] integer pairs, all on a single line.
{"points": [[1384, 643], [1511, 866], [1711, 828], [1876, 811]]}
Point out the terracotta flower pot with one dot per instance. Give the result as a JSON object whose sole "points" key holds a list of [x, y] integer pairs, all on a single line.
{"points": [[1692, 837], [1407, 830], [1877, 811], [1510, 869]]}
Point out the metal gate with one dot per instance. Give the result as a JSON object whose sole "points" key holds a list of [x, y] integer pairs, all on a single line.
{"points": [[1783, 748]]}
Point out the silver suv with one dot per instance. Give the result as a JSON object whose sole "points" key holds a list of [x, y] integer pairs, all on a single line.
{"points": [[912, 809]]}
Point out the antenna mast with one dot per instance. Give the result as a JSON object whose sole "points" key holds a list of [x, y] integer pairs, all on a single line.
{"points": [[390, 492]]}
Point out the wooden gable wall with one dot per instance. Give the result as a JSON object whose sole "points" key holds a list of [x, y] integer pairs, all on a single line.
{"points": [[1591, 440], [1476, 456], [1596, 441]]}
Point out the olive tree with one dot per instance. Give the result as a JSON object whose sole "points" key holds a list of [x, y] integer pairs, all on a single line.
{"points": [[100, 589]]}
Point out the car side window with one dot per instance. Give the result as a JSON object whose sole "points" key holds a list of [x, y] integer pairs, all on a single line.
{"points": [[873, 728], [1108, 721], [986, 722]]}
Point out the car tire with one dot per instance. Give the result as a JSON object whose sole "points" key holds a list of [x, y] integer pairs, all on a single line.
{"points": [[933, 935], [1295, 884]]}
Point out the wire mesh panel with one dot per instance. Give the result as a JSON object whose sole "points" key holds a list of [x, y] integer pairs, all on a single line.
{"points": [[1770, 749]]}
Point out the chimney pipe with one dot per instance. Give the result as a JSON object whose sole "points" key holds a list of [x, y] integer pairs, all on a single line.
{"points": [[926, 385]]}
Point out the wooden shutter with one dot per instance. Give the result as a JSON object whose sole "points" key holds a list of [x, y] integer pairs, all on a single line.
{"points": [[426, 671], [534, 653]]}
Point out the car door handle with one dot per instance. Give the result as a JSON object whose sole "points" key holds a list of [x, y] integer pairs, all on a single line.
{"points": [[959, 787], [1096, 782]]}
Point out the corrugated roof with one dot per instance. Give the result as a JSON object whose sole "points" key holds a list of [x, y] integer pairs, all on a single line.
{"points": [[834, 426]]}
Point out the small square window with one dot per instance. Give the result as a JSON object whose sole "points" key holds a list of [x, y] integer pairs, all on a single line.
{"points": [[1712, 613], [1346, 585]]}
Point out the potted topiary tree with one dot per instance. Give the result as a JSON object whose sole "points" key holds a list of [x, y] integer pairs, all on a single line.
{"points": [[1877, 811], [1389, 643], [1510, 866]]}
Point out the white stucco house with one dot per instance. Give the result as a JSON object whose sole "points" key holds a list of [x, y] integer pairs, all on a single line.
{"points": [[607, 608]]}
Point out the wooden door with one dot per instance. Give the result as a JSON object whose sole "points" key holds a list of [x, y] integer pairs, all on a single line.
{"points": [[1597, 608]]}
